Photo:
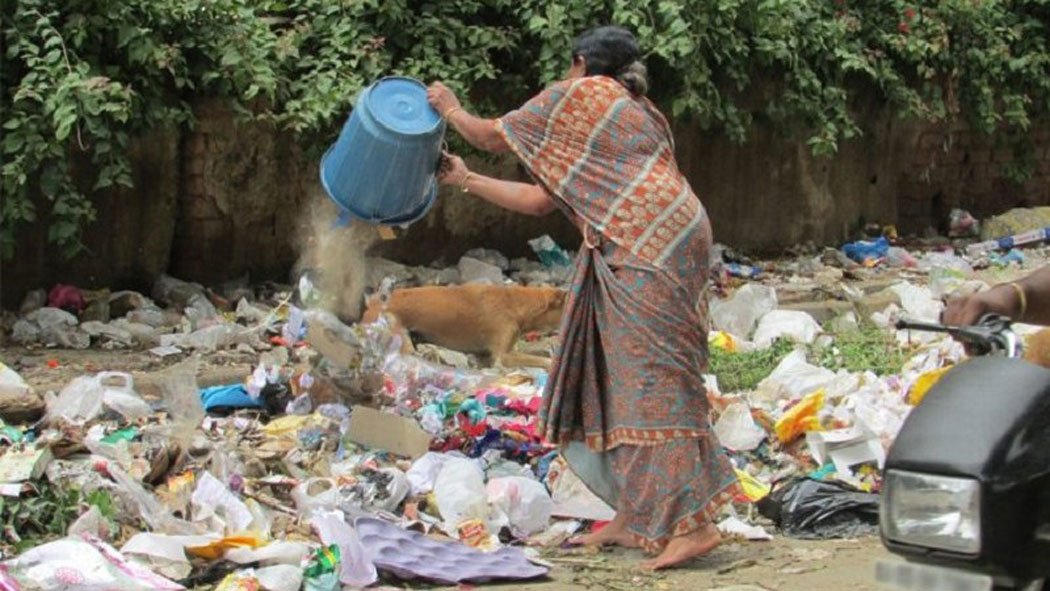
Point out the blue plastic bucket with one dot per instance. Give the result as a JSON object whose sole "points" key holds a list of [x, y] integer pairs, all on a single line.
{"points": [[382, 169]]}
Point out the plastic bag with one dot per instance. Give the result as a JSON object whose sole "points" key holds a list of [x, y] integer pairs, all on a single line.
{"points": [[923, 384], [918, 302], [355, 563], [571, 496], [121, 397], [79, 401], [314, 494], [867, 251], [152, 511], [899, 257], [800, 418], [793, 325], [522, 504], [963, 225], [211, 495], [736, 430], [739, 313], [424, 472], [11, 384], [182, 400], [792, 378], [460, 492], [813, 510], [83, 562]]}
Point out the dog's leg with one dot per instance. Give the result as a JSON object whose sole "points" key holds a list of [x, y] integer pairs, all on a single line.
{"points": [[516, 359]]}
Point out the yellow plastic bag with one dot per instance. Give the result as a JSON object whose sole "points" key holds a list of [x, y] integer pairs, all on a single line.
{"points": [[800, 418], [754, 489], [722, 340], [923, 384], [215, 550]]}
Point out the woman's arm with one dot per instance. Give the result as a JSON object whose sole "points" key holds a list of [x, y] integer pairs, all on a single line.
{"points": [[520, 197], [480, 133]]}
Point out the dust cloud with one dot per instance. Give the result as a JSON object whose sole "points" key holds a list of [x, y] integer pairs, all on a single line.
{"points": [[336, 257]]}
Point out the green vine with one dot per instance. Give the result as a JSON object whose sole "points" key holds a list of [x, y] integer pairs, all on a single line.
{"points": [[82, 77]]}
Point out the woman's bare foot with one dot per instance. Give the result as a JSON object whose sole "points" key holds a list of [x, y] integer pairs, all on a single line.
{"points": [[615, 533], [683, 548]]}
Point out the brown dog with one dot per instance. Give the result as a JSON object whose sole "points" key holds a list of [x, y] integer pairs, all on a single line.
{"points": [[473, 318]]}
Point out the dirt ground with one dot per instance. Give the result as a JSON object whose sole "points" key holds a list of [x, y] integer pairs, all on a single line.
{"points": [[780, 565]]}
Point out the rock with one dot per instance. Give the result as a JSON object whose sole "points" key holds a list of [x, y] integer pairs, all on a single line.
{"points": [[21, 407], [474, 271], [448, 276]]}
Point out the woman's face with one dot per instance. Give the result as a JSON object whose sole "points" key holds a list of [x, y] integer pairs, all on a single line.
{"points": [[578, 68]]}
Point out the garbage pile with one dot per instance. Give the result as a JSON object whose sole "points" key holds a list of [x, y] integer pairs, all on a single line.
{"points": [[337, 460]]}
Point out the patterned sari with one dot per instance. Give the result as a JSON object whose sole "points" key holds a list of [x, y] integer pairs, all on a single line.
{"points": [[626, 398]]}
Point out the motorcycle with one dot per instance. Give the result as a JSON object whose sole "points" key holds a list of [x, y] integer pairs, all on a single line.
{"points": [[965, 497]]}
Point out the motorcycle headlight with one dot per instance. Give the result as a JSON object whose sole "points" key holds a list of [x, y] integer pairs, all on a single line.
{"points": [[931, 511]]}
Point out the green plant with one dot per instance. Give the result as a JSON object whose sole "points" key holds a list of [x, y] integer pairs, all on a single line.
{"points": [[869, 348], [740, 372], [81, 77], [32, 519]]}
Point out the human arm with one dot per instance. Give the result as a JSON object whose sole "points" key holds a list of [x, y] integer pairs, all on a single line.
{"points": [[524, 198], [479, 132], [1005, 299]]}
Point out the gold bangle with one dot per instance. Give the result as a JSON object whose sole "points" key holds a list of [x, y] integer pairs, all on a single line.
{"points": [[466, 179], [1022, 297], [450, 112]]}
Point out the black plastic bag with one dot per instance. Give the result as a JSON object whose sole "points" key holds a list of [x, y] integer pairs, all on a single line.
{"points": [[815, 510]]}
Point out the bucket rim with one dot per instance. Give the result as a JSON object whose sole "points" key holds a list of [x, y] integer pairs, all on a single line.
{"points": [[366, 96]]}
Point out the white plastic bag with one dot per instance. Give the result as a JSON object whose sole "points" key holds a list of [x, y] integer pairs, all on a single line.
{"points": [[314, 494], [121, 396], [571, 496], [786, 324], [211, 496], [460, 493], [79, 401], [736, 429], [80, 563], [738, 313], [356, 567], [918, 302], [794, 377], [11, 384], [521, 503], [424, 472]]}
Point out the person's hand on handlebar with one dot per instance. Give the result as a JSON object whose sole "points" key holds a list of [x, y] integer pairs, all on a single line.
{"points": [[965, 311], [1024, 300]]}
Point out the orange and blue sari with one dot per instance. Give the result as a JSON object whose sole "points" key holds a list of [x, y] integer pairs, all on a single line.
{"points": [[626, 399]]}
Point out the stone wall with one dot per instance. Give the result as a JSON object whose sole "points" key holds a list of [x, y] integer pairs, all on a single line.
{"points": [[227, 198]]}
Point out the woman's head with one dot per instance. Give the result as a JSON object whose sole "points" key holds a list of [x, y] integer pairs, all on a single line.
{"points": [[610, 51]]}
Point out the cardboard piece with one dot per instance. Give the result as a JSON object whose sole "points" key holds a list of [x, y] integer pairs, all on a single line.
{"points": [[26, 464], [386, 431], [328, 343], [846, 448], [386, 232]]}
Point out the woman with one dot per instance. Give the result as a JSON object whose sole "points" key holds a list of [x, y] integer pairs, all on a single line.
{"points": [[626, 398]]}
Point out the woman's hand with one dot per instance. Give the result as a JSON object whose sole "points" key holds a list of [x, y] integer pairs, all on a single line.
{"points": [[453, 170], [442, 98], [965, 311]]}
